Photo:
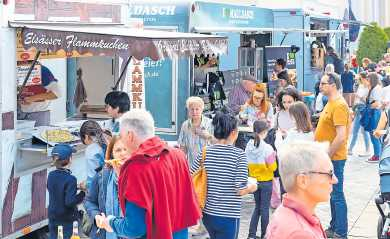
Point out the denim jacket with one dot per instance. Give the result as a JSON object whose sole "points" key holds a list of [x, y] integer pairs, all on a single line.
{"points": [[95, 200]]}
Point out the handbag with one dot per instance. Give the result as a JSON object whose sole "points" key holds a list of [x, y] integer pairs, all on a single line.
{"points": [[369, 116], [199, 179]]}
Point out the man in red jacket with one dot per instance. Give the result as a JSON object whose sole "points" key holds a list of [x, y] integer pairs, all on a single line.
{"points": [[155, 187]]}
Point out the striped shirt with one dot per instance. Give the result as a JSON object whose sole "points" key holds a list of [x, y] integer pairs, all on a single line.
{"points": [[227, 173], [237, 97]]}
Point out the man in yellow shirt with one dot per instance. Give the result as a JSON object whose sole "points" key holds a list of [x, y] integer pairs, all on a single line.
{"points": [[333, 128]]}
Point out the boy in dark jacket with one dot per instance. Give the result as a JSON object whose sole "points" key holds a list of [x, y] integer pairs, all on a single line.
{"points": [[63, 196]]}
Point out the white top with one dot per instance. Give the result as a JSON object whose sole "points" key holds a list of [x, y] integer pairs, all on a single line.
{"points": [[292, 135], [376, 93], [361, 93], [283, 120], [44, 105]]}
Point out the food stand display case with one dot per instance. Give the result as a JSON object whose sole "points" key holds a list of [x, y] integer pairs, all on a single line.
{"points": [[25, 200]]}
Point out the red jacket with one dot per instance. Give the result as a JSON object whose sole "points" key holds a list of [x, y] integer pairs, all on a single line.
{"points": [[156, 178]]}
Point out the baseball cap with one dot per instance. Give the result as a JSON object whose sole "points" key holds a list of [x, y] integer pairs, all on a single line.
{"points": [[62, 151]]}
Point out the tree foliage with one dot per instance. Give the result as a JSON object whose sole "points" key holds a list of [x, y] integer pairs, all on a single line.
{"points": [[387, 31], [372, 43]]}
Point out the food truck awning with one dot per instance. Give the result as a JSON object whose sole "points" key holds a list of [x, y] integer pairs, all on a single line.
{"points": [[252, 30], [116, 40]]}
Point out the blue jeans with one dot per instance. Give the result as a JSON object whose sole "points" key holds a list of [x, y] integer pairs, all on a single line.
{"points": [[221, 227], [263, 200], [376, 143], [338, 205], [355, 132]]}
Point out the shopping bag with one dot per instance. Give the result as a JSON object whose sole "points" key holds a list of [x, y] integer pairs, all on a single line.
{"points": [[199, 179]]}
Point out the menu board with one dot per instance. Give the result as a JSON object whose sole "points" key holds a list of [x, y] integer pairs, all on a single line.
{"points": [[22, 69]]}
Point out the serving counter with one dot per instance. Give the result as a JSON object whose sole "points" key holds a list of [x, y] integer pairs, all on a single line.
{"points": [[33, 155]]}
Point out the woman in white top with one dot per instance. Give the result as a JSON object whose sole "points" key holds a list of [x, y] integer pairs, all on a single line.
{"points": [[302, 129], [283, 120], [374, 100], [360, 102]]}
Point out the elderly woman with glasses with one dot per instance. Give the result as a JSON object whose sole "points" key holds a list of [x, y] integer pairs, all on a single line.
{"points": [[257, 107], [307, 175]]}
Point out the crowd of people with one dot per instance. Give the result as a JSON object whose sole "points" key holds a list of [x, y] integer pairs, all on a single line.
{"points": [[139, 187]]}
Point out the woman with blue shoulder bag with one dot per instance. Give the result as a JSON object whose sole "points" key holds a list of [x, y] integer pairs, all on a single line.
{"points": [[372, 112]]}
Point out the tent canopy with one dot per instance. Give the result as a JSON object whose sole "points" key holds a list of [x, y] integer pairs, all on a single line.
{"points": [[117, 40]]}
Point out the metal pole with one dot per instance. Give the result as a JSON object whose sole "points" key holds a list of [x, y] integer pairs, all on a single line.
{"points": [[284, 38], [29, 73], [122, 74]]}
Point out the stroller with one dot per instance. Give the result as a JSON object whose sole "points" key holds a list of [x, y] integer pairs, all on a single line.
{"points": [[383, 199]]}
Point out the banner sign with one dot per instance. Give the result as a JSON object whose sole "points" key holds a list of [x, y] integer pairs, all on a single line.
{"points": [[153, 44], [224, 15], [136, 84], [159, 13]]}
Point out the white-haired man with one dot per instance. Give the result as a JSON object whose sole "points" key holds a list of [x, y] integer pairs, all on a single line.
{"points": [[155, 188], [307, 174]]}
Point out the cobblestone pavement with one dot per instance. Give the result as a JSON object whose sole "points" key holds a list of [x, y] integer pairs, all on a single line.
{"points": [[361, 186]]}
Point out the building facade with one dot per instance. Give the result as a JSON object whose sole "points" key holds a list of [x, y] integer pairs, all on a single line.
{"points": [[368, 11]]}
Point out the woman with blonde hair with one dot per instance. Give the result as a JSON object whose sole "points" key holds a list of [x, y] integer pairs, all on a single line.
{"points": [[102, 196], [258, 107], [360, 99]]}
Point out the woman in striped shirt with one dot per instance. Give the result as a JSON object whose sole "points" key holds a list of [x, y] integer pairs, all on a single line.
{"points": [[227, 179]]}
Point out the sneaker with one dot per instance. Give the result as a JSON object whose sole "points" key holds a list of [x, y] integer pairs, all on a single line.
{"points": [[373, 159], [329, 233]]}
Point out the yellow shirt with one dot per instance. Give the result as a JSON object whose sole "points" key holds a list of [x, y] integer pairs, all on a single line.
{"points": [[335, 113]]}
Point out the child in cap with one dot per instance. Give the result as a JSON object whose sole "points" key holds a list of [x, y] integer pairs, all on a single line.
{"points": [[63, 196]]}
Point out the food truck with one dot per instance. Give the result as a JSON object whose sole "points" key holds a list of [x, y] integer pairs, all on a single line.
{"points": [[311, 25], [249, 30], [313, 34], [25, 158]]}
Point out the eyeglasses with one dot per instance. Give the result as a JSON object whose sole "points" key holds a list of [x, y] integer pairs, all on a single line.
{"points": [[330, 174], [257, 97], [324, 83]]}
